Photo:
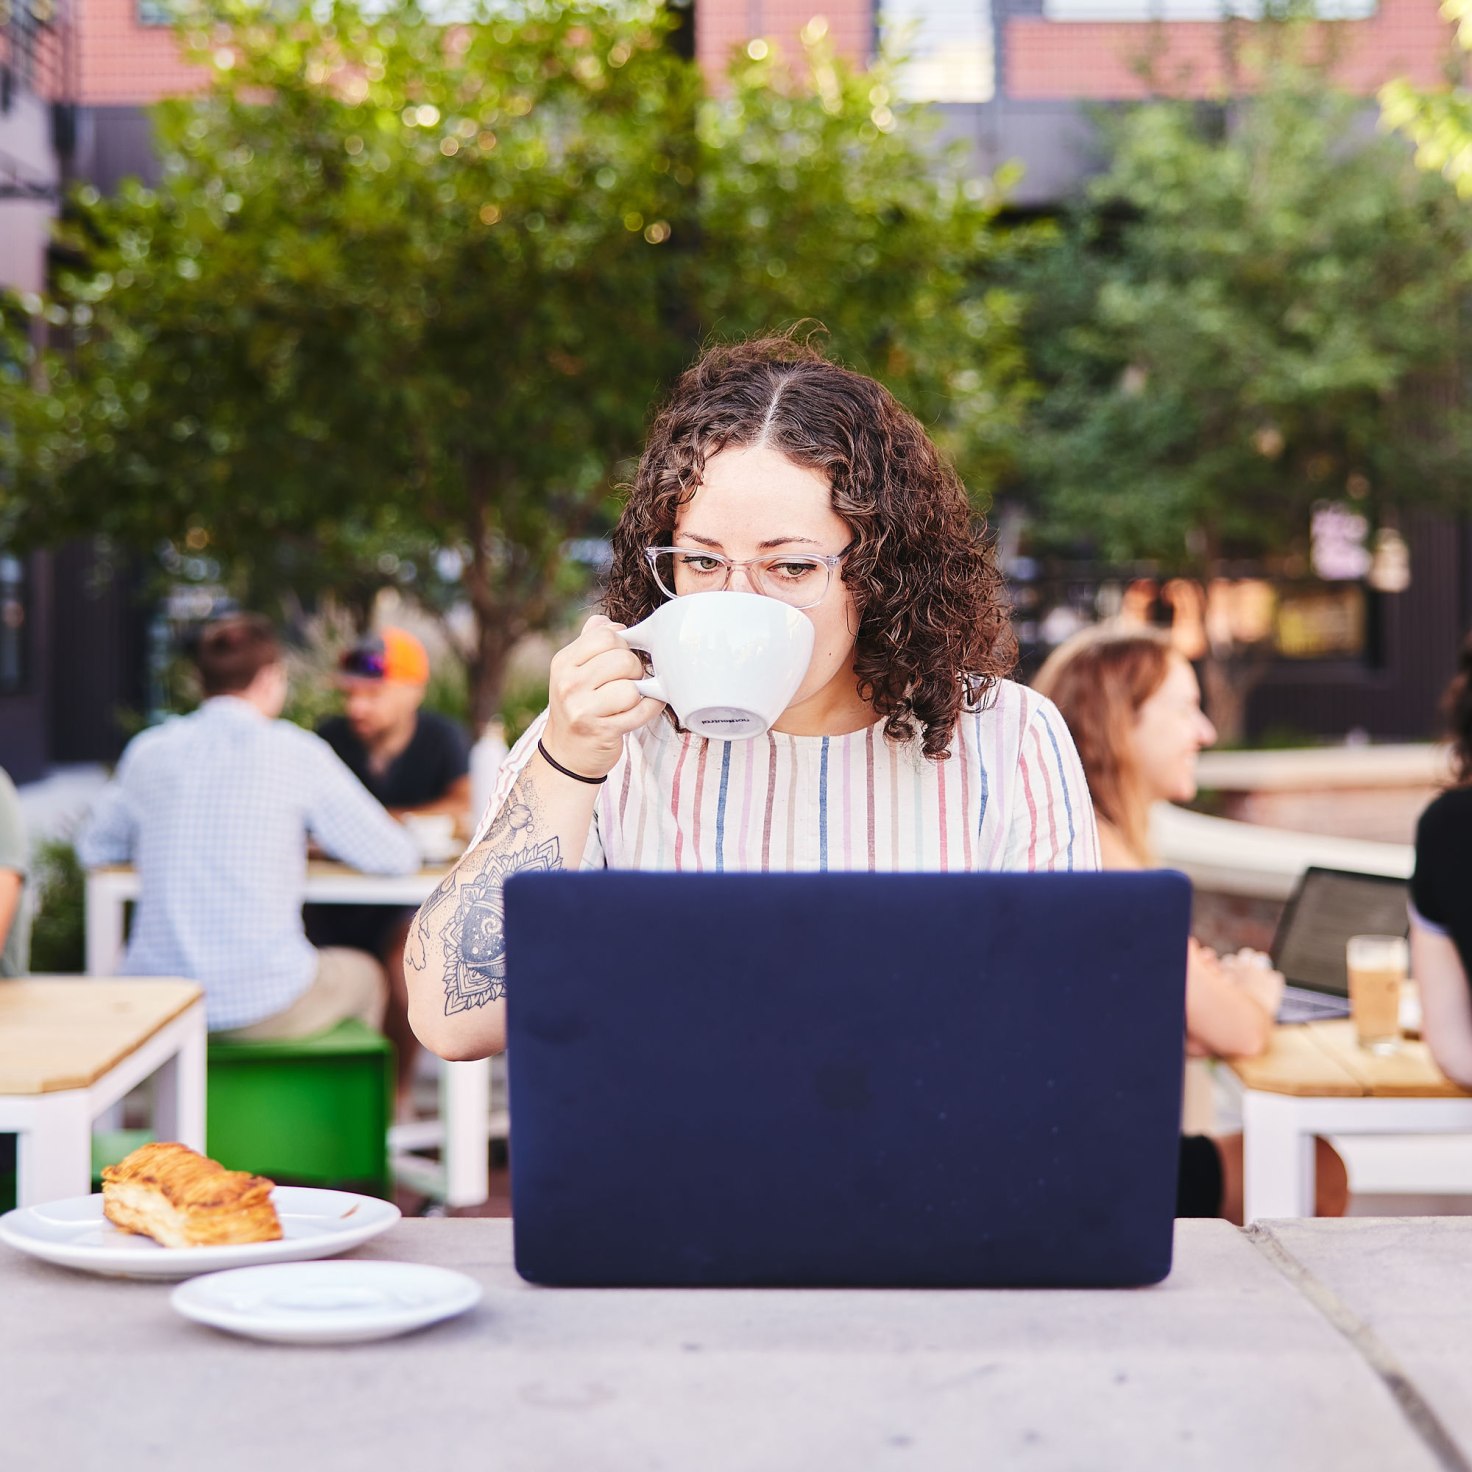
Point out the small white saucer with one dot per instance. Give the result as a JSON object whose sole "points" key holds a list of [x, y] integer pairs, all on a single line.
{"points": [[326, 1302]]}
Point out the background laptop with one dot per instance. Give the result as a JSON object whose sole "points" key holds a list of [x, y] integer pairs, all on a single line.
{"points": [[1327, 907], [845, 1079]]}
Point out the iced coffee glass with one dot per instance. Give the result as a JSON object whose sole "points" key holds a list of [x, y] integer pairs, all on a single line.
{"points": [[1377, 973]]}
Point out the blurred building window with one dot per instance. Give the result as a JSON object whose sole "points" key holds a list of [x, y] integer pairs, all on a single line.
{"points": [[155, 13], [948, 45], [13, 597], [27, 44], [1185, 10], [1322, 623]]}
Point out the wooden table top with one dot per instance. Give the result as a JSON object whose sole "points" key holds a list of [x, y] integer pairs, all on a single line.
{"points": [[1322, 1060], [66, 1032], [317, 867]]}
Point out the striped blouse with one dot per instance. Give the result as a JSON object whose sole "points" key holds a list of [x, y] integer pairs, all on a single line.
{"points": [[1012, 796]]}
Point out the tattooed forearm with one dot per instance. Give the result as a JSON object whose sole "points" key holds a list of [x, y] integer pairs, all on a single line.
{"points": [[417, 953], [475, 939], [466, 914]]}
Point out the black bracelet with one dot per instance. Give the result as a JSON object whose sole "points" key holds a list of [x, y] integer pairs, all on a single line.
{"points": [[567, 772]]}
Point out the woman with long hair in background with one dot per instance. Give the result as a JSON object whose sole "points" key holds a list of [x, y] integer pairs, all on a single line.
{"points": [[1133, 706]]}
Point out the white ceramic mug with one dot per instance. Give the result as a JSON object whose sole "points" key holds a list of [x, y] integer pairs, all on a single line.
{"points": [[728, 663]]}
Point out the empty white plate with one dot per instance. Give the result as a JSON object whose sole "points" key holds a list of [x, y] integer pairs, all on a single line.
{"points": [[326, 1302]]}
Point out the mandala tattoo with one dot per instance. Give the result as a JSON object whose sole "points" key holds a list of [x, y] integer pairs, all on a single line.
{"points": [[475, 939]]}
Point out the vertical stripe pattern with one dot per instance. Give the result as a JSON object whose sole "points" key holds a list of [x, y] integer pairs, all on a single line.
{"points": [[1011, 796]]}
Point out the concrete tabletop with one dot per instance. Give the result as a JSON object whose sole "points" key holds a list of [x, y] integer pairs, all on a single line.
{"points": [[1228, 1364], [1400, 1289]]}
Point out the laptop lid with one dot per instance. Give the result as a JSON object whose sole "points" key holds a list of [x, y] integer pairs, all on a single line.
{"points": [[1327, 907], [845, 1079]]}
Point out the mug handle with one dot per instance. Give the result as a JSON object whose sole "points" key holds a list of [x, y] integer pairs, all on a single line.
{"points": [[650, 686]]}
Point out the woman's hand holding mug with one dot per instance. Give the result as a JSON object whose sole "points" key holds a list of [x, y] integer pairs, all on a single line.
{"points": [[728, 664], [593, 701]]}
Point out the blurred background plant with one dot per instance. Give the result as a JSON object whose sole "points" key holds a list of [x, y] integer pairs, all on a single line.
{"points": [[825, 195], [1438, 120], [383, 342], [58, 883], [1259, 307]]}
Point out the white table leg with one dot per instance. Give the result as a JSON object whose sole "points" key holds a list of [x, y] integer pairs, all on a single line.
{"points": [[465, 1108], [1278, 1157], [54, 1156], [179, 1085], [104, 925]]}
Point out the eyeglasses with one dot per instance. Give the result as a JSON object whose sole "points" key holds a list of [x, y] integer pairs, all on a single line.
{"points": [[798, 579]]}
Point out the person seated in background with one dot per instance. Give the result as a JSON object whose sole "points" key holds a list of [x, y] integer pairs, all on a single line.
{"points": [[417, 764], [215, 810], [1133, 705], [1441, 895], [412, 760], [15, 862]]}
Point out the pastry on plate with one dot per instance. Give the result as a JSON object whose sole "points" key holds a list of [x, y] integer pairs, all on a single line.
{"points": [[183, 1199]]}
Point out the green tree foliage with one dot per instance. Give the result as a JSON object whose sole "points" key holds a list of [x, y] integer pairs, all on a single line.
{"points": [[1438, 120], [1256, 311], [389, 289], [408, 290], [824, 195]]}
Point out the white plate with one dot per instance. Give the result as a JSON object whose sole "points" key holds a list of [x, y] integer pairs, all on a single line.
{"points": [[326, 1302], [75, 1234]]}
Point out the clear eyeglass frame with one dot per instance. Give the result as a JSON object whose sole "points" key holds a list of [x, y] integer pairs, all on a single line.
{"points": [[757, 569]]}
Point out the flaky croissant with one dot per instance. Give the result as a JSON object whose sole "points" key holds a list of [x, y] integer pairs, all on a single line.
{"points": [[183, 1199]]}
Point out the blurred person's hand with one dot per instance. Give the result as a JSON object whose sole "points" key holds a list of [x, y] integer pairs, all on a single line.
{"points": [[1231, 1002], [1253, 972]]}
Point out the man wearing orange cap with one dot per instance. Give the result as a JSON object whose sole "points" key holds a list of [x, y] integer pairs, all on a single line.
{"points": [[415, 763]]}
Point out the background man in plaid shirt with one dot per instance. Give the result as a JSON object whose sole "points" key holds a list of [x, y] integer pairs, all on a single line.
{"points": [[215, 809]]}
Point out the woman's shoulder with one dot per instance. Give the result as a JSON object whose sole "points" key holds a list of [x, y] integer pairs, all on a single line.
{"points": [[1000, 698], [1448, 816], [1114, 852], [1007, 709]]}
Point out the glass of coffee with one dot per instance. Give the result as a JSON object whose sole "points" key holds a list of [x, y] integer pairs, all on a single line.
{"points": [[1377, 972]]}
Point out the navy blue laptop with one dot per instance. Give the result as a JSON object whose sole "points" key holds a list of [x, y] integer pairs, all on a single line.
{"points": [[845, 1079]]}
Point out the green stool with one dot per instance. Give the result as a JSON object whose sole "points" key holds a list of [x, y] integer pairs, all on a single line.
{"points": [[314, 1111], [110, 1146]]}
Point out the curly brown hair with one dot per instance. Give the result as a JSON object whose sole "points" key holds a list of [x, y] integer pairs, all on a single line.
{"points": [[934, 630]]}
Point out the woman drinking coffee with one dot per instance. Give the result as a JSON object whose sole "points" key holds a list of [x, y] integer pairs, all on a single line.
{"points": [[773, 472]]}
